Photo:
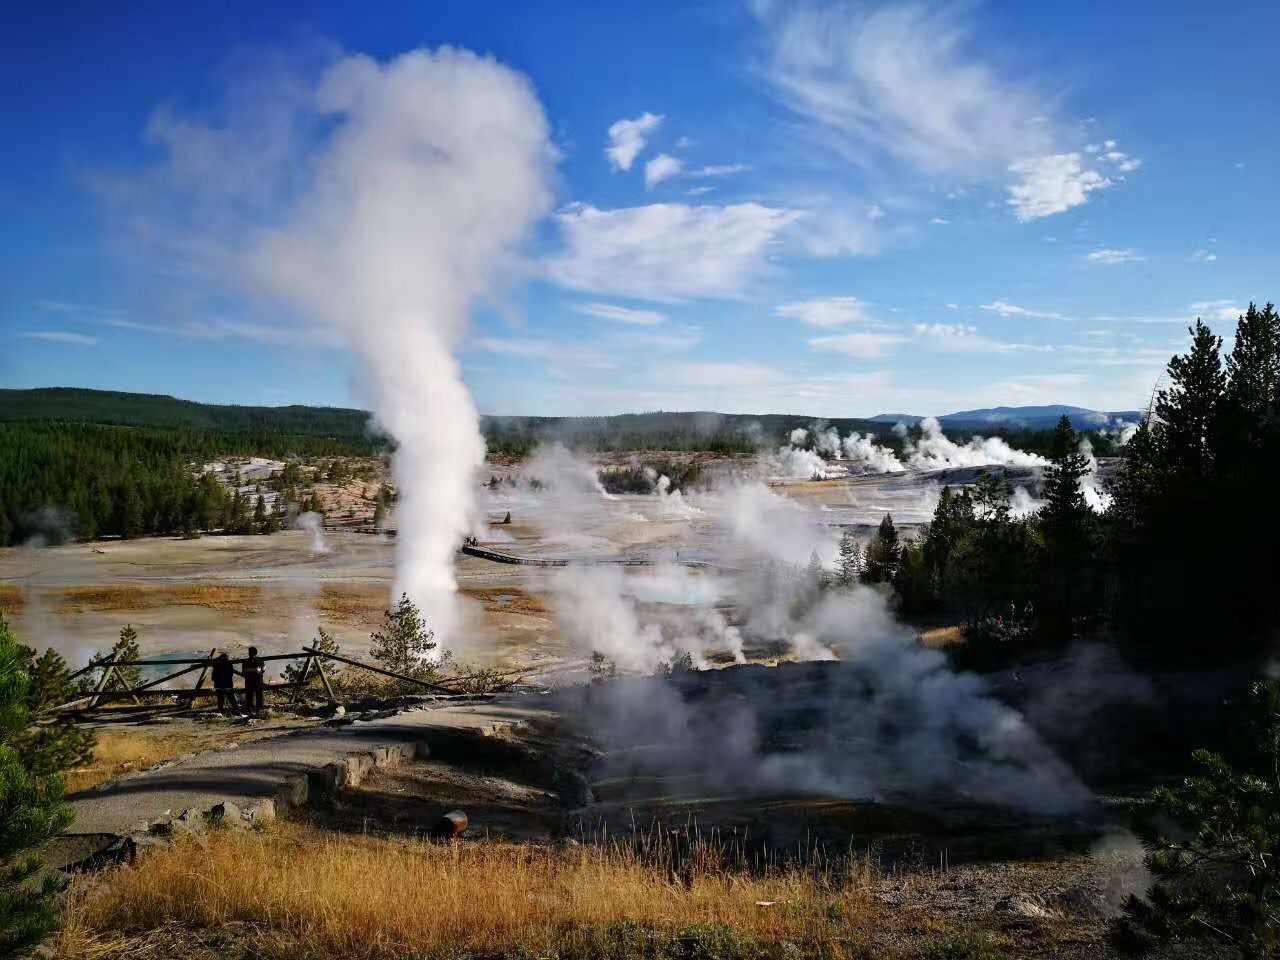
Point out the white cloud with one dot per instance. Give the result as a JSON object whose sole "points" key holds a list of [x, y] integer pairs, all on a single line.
{"points": [[628, 137], [1006, 309], [662, 167], [902, 81], [1109, 255], [1217, 309], [61, 336], [718, 170], [1124, 163], [940, 221], [1204, 256], [719, 373], [1052, 184], [666, 339], [609, 311], [875, 212], [833, 227], [953, 306], [665, 251], [1028, 387], [566, 355], [860, 346], [958, 338], [826, 312]]}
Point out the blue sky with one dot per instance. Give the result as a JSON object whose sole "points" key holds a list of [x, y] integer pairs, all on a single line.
{"points": [[815, 208]]}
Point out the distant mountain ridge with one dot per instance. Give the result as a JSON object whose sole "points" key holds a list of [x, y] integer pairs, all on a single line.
{"points": [[1021, 418], [74, 404]]}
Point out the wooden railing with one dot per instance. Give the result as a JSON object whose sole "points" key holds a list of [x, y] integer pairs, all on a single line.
{"points": [[113, 684]]}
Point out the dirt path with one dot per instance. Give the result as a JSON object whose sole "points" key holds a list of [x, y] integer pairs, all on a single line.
{"points": [[285, 769]]}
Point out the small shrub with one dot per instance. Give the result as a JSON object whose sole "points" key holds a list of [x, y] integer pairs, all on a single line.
{"points": [[965, 946]]}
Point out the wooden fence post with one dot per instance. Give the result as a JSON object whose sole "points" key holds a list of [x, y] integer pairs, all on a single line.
{"points": [[102, 680], [302, 679], [204, 672]]}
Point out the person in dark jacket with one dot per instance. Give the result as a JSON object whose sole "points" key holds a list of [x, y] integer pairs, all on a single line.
{"points": [[253, 670], [224, 673]]}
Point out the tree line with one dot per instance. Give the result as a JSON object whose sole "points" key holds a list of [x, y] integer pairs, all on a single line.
{"points": [[85, 480], [1162, 573]]}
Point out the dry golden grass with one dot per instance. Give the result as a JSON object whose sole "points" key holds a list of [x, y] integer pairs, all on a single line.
{"points": [[225, 597], [518, 601], [942, 636], [353, 603], [116, 752], [11, 601], [122, 751], [306, 893]]}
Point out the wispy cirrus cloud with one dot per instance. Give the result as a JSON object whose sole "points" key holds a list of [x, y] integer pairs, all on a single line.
{"points": [[1006, 309], [961, 338], [610, 311], [665, 167], [60, 336], [720, 373], [918, 85], [902, 81], [220, 329], [1111, 256], [860, 346]]}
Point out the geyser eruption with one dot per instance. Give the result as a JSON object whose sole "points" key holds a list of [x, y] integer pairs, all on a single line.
{"points": [[433, 168], [313, 524]]}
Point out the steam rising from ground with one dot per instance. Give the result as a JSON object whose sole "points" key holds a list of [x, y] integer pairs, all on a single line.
{"points": [[435, 168], [934, 451], [890, 720], [313, 524]]}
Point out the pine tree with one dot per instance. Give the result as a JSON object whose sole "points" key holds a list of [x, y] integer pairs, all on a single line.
{"points": [[260, 515], [1065, 502], [51, 684], [850, 560], [379, 515], [405, 642], [236, 514], [128, 520], [32, 810], [1253, 371], [126, 648], [1189, 409], [883, 554], [1065, 523]]}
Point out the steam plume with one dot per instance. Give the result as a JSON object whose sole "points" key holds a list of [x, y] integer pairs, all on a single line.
{"points": [[934, 451], [435, 167], [313, 523]]}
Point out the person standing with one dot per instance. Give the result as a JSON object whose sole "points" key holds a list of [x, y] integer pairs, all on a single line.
{"points": [[224, 679], [254, 671]]}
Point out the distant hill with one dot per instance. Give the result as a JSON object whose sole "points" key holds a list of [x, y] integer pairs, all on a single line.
{"points": [[697, 430], [76, 405], [1020, 418]]}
